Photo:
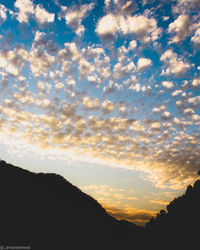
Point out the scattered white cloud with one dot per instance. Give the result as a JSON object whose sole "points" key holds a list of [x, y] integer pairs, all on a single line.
{"points": [[176, 92], [70, 51], [166, 115], [42, 16], [3, 14], [85, 68], [196, 83], [107, 27], [165, 18], [194, 101], [132, 45], [175, 64], [107, 106], [188, 111], [40, 61], [112, 87], [159, 109], [196, 38], [75, 16], [168, 84], [144, 28], [59, 85], [121, 70], [90, 103], [11, 61], [181, 27], [26, 8], [143, 63], [185, 6]]}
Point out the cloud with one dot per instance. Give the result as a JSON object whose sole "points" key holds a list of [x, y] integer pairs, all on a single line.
{"points": [[3, 15], [196, 83], [105, 191], [143, 63], [59, 85], [107, 106], [67, 67], [155, 126], [160, 202], [40, 61], [159, 109], [42, 16], [175, 65], [166, 115], [90, 104], [121, 70], [168, 84], [144, 28], [184, 6], [112, 140], [94, 123], [130, 214], [111, 198], [132, 45], [111, 88], [85, 68], [124, 7], [26, 8], [196, 38], [107, 27], [45, 41], [75, 16], [181, 27], [116, 116], [195, 117], [176, 92], [127, 8], [136, 126], [136, 87], [11, 61], [41, 86], [188, 111], [70, 51], [194, 101]]}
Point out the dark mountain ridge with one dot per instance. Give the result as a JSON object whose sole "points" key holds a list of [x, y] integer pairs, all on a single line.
{"points": [[178, 227], [45, 211]]}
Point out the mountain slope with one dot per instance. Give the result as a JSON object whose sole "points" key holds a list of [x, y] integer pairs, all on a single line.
{"points": [[178, 227], [45, 211]]}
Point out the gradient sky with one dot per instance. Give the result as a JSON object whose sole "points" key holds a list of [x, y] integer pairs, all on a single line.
{"points": [[106, 93]]}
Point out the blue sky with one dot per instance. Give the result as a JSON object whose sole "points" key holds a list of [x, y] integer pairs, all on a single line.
{"points": [[106, 93]]}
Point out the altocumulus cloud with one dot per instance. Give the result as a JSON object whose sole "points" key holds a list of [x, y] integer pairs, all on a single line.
{"points": [[128, 104]]}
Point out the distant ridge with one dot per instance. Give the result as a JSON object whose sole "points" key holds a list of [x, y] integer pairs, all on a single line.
{"points": [[45, 211], [179, 226]]}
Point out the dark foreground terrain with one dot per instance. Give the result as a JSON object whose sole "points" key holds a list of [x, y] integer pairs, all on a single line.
{"points": [[46, 212]]}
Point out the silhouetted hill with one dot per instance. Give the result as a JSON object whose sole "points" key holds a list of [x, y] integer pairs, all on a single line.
{"points": [[45, 211], [178, 227]]}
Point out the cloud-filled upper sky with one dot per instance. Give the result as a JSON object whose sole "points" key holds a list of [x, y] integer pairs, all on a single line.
{"points": [[109, 83]]}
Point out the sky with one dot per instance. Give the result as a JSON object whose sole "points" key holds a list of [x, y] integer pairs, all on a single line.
{"points": [[105, 93]]}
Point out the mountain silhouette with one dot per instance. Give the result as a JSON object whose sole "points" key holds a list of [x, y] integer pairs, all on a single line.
{"points": [[44, 211], [178, 227]]}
